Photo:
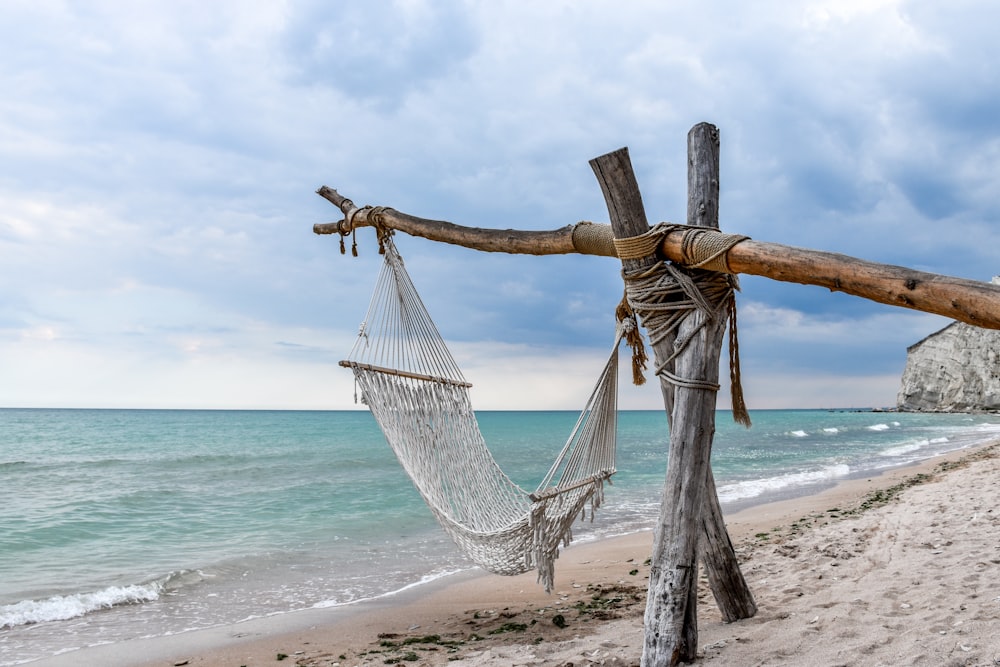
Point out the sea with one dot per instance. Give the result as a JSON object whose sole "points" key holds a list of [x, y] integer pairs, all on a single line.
{"points": [[123, 524]]}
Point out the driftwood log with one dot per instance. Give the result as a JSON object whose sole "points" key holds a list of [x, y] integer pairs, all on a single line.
{"points": [[969, 301]]}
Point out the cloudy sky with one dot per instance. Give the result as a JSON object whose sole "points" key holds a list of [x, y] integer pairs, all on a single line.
{"points": [[158, 162]]}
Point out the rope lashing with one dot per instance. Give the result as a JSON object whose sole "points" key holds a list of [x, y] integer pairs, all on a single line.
{"points": [[701, 247], [665, 294], [706, 249], [593, 239], [382, 230], [371, 215]]}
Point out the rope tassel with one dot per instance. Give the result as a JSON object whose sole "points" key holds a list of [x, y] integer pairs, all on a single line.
{"points": [[740, 413], [633, 336]]}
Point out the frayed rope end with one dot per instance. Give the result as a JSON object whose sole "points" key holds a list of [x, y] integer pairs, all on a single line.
{"points": [[626, 316]]}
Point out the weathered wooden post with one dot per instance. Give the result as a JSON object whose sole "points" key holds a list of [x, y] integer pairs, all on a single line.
{"points": [[689, 505], [728, 586]]}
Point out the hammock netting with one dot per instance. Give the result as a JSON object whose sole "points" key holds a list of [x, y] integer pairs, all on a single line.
{"points": [[420, 399]]}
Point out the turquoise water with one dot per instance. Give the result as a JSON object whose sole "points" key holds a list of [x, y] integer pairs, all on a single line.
{"points": [[116, 524]]}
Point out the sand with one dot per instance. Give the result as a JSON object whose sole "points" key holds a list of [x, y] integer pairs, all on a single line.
{"points": [[900, 569]]}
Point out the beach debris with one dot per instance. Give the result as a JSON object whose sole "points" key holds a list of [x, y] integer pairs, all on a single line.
{"points": [[409, 656], [509, 627]]}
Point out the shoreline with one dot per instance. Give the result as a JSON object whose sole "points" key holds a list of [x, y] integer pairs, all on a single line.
{"points": [[603, 570]]}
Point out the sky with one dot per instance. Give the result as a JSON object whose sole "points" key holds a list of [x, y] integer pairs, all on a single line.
{"points": [[159, 161]]}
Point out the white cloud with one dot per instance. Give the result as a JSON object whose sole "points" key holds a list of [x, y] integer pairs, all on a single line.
{"points": [[781, 324], [39, 333], [255, 367], [826, 391], [160, 161]]}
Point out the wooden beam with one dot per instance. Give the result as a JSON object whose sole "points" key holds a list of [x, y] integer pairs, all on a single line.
{"points": [[555, 242], [970, 301]]}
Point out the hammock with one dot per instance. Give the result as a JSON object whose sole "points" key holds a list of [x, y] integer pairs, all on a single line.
{"points": [[420, 400]]}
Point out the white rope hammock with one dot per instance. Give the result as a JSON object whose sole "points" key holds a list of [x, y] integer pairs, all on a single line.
{"points": [[420, 399]]}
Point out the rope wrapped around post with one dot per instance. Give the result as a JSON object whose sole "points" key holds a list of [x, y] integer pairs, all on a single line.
{"points": [[666, 293]]}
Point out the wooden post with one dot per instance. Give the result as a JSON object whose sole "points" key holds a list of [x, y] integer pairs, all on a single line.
{"points": [[671, 625], [671, 633], [731, 592]]}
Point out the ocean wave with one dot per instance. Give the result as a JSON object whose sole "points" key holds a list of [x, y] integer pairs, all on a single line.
{"points": [[64, 607], [424, 580], [900, 450], [753, 488], [799, 434], [831, 430], [878, 427]]}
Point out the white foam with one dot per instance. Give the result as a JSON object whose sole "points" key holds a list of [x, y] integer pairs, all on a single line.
{"points": [[831, 430], [63, 607], [799, 434], [752, 488], [878, 427], [425, 579], [900, 450]]}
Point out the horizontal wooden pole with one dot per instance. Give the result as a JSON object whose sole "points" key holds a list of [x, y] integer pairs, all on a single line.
{"points": [[970, 301], [556, 242]]}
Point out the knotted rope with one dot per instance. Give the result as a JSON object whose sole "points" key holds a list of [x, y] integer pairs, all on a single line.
{"points": [[664, 294], [630, 332], [373, 215]]}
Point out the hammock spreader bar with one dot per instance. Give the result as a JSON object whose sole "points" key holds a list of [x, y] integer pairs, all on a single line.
{"points": [[405, 374]]}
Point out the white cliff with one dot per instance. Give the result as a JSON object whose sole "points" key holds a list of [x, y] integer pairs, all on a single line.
{"points": [[956, 369]]}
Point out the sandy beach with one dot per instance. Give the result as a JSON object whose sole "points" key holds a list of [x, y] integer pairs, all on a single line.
{"points": [[899, 569]]}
